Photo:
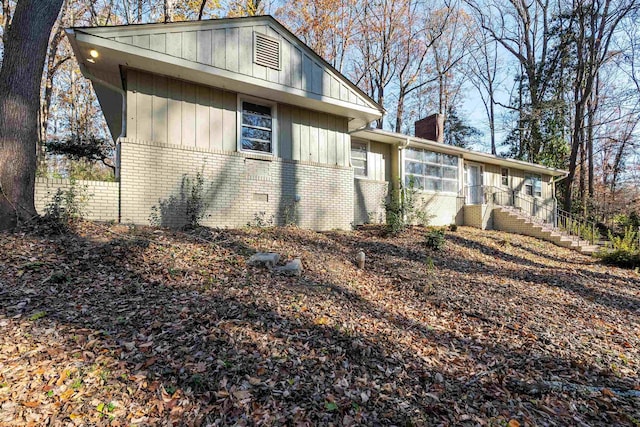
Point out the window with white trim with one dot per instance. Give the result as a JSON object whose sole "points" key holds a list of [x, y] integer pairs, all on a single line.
{"points": [[257, 130], [359, 158], [533, 185], [431, 171], [504, 177]]}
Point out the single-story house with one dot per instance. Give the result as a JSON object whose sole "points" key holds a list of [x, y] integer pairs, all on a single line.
{"points": [[274, 131]]}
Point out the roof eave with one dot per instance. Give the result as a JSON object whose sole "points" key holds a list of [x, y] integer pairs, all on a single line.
{"points": [[387, 137]]}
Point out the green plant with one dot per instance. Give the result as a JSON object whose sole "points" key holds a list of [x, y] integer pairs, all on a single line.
{"points": [[38, 315], [622, 251], [588, 232], [261, 220], [185, 210], [404, 208], [435, 239], [453, 227], [67, 205], [430, 265]]}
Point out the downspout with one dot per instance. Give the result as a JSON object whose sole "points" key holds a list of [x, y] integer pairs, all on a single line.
{"points": [[123, 127]]}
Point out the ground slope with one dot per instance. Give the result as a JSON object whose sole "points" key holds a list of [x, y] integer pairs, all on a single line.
{"points": [[120, 326]]}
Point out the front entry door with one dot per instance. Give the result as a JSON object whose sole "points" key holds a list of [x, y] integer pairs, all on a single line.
{"points": [[474, 184]]}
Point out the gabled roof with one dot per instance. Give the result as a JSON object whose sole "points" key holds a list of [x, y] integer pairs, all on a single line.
{"points": [[221, 53], [387, 137]]}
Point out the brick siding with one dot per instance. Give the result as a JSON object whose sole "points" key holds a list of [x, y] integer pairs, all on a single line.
{"points": [[238, 187], [102, 196], [369, 200]]}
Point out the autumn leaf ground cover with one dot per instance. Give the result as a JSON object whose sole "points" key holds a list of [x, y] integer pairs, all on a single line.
{"points": [[111, 325]]}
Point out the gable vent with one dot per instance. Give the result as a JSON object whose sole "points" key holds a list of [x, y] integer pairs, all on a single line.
{"points": [[266, 51]]}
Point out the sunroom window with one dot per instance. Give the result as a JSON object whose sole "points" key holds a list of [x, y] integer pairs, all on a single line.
{"points": [[359, 158], [431, 171], [533, 185], [256, 133]]}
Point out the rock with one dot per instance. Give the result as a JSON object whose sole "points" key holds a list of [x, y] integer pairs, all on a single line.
{"points": [[292, 268], [268, 259], [438, 378]]}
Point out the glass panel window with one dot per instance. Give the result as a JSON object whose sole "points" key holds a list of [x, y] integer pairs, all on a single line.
{"points": [[449, 172], [504, 177], [257, 127], [533, 185], [359, 158], [431, 171]]}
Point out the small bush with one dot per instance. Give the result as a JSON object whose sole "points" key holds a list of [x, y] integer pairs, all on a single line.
{"points": [[403, 208], [261, 220], [622, 251], [185, 211], [435, 239], [453, 227], [66, 206]]}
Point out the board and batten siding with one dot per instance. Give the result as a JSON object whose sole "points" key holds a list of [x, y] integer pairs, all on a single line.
{"points": [[493, 177], [170, 111], [231, 47]]}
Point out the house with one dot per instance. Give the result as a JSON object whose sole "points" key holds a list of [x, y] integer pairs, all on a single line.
{"points": [[275, 133]]}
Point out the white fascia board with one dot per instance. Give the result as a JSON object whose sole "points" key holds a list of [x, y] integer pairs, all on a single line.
{"points": [[156, 62]]}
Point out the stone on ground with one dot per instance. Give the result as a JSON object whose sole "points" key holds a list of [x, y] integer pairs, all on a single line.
{"points": [[292, 268], [267, 259]]}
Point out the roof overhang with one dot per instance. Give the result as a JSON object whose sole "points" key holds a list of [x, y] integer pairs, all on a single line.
{"points": [[113, 56], [387, 137]]}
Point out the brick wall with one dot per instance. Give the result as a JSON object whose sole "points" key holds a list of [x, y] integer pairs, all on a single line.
{"points": [[102, 196], [238, 187], [368, 203], [479, 216]]}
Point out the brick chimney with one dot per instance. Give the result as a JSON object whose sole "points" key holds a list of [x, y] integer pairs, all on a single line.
{"points": [[431, 127]]}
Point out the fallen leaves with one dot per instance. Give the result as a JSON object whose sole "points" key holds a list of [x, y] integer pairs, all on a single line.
{"points": [[131, 326]]}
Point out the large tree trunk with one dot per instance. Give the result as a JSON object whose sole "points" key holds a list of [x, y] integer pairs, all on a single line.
{"points": [[20, 77]]}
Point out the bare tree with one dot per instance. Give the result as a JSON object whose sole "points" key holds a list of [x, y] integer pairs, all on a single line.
{"points": [[595, 23], [483, 74]]}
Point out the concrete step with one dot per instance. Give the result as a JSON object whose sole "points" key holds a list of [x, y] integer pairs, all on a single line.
{"points": [[589, 249]]}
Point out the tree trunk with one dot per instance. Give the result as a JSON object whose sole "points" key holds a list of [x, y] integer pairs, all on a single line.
{"points": [[20, 77]]}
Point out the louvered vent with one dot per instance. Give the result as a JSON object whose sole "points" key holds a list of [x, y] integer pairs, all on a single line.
{"points": [[267, 51]]}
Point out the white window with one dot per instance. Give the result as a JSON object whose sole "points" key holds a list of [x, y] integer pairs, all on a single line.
{"points": [[533, 185], [431, 171], [359, 158], [257, 126], [504, 177]]}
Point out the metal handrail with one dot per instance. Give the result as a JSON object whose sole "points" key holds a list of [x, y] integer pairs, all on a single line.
{"points": [[541, 213]]}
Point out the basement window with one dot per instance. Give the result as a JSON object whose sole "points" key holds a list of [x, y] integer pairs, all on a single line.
{"points": [[257, 126]]}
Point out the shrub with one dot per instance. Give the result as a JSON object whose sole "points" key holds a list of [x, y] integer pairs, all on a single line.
{"points": [[66, 206], [403, 208], [453, 227], [622, 251], [185, 210], [261, 220], [435, 239]]}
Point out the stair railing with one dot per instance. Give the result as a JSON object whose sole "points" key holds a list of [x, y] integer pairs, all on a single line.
{"points": [[534, 209]]}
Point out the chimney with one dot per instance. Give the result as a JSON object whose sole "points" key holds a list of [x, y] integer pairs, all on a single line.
{"points": [[431, 128]]}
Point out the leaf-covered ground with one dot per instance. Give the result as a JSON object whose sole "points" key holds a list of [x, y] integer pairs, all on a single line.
{"points": [[121, 326]]}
